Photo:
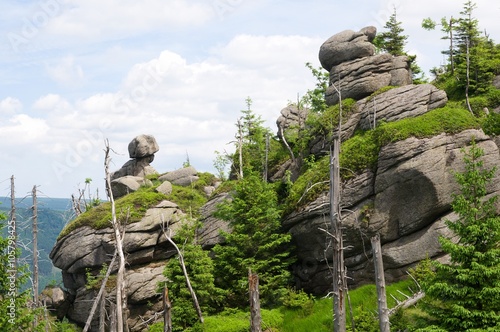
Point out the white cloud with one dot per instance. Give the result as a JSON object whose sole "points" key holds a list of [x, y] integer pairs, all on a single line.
{"points": [[9, 106], [22, 130], [99, 19], [66, 73]]}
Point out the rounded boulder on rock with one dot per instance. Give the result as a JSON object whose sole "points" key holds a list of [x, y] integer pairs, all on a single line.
{"points": [[347, 46], [143, 146]]}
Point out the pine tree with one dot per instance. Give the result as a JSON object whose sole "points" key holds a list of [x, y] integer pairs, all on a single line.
{"points": [[255, 242], [465, 294]]}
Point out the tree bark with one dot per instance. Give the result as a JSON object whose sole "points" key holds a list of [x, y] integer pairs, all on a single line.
{"points": [[167, 311], [255, 316], [121, 294], [383, 313]]}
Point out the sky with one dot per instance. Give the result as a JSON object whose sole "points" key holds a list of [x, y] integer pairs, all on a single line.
{"points": [[74, 73]]}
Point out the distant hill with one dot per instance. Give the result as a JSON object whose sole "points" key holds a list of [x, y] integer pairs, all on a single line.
{"points": [[53, 215]]}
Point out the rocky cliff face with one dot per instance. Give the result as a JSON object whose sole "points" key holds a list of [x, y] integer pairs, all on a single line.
{"points": [[405, 198]]}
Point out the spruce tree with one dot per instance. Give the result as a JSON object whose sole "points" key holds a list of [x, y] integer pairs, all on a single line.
{"points": [[465, 294], [200, 268], [255, 242], [393, 40]]}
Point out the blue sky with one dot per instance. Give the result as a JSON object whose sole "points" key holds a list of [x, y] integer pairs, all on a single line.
{"points": [[74, 72]]}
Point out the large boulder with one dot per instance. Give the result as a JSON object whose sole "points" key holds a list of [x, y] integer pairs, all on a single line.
{"points": [[143, 146], [405, 199], [136, 167], [182, 177], [362, 77], [346, 46]]}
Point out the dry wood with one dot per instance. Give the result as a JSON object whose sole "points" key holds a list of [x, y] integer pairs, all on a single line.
{"points": [[255, 316], [383, 313]]}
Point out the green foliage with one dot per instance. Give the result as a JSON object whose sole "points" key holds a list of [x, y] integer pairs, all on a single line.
{"points": [[361, 151], [392, 41], [200, 269], [256, 242], [94, 281], [221, 162], [129, 208], [298, 299], [465, 294], [315, 99]]}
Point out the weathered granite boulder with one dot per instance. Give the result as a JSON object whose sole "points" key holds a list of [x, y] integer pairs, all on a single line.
{"points": [[143, 146], [182, 177], [165, 188], [361, 77], [136, 167], [209, 233], [128, 184], [143, 242], [405, 200], [403, 102], [292, 119], [87, 249], [346, 46], [56, 300]]}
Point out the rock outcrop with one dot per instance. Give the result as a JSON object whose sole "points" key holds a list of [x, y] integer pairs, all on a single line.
{"points": [[133, 173], [349, 58], [83, 251]]}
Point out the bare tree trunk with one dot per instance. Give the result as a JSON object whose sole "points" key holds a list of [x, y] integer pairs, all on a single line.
{"points": [[196, 304], [383, 313], [121, 293], [112, 323], [167, 311], [266, 160], [452, 63], [102, 310], [240, 148], [100, 295], [338, 270], [255, 317], [338, 266], [468, 78], [35, 255]]}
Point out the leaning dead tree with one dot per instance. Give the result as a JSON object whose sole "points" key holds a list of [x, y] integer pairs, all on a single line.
{"points": [[100, 296], [118, 228], [196, 304]]}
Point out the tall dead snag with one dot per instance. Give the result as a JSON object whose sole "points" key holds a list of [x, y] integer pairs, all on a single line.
{"points": [[121, 289], [383, 313], [253, 288], [35, 255], [167, 311], [338, 266]]}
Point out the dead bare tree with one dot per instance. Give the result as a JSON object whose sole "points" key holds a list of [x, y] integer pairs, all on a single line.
{"points": [[338, 266], [196, 304], [253, 290], [383, 313], [121, 289], [100, 295], [240, 147], [167, 311]]}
